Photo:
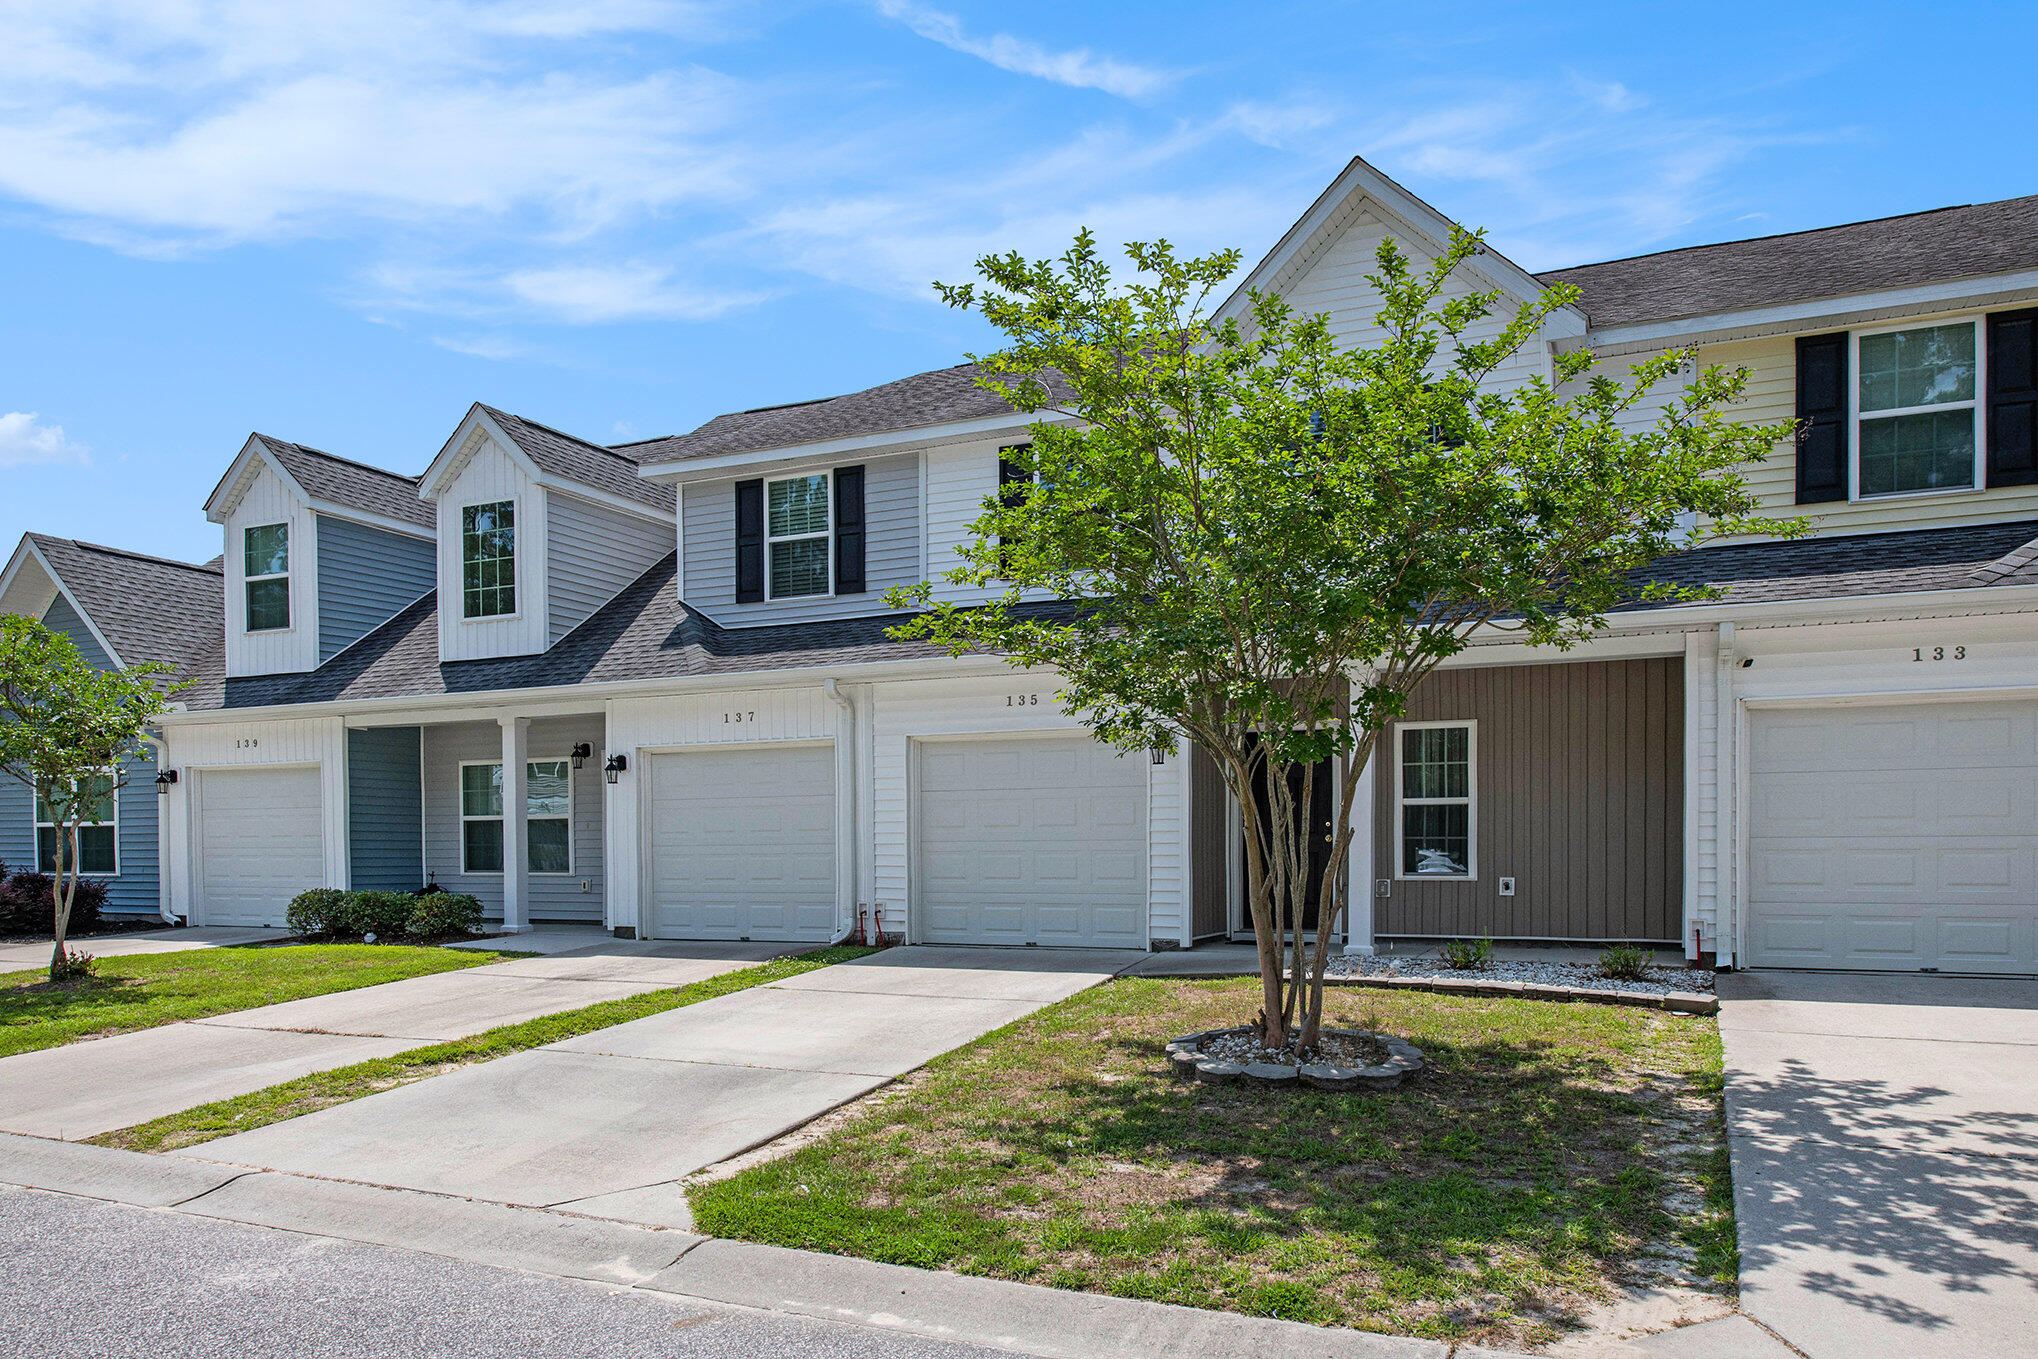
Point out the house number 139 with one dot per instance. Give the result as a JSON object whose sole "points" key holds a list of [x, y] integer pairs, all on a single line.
{"points": [[1939, 653]]}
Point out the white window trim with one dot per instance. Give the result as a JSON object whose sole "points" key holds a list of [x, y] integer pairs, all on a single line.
{"points": [[36, 825], [289, 602], [827, 476], [1470, 802], [516, 504], [460, 800], [1978, 480]]}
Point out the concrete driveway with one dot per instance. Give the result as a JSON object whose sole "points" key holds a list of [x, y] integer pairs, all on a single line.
{"points": [[607, 1123], [20, 957], [83, 1089], [1884, 1132]]}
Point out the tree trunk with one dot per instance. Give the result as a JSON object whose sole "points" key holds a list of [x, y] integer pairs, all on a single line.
{"points": [[63, 889]]}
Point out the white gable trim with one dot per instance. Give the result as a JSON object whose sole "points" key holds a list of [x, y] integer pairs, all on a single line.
{"points": [[465, 442], [1361, 181], [29, 552], [240, 475]]}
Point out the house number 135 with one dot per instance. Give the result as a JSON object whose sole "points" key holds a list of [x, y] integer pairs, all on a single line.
{"points": [[1939, 653], [1022, 700]]}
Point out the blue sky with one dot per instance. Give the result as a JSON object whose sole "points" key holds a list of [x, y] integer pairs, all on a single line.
{"points": [[341, 224]]}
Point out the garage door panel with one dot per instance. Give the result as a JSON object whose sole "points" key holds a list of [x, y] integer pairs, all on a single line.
{"points": [[260, 842], [1031, 841], [741, 844], [1895, 838]]}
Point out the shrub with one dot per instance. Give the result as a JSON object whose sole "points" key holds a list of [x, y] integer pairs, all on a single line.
{"points": [[76, 966], [322, 910], [1624, 962], [1468, 955], [26, 908], [383, 914], [441, 913]]}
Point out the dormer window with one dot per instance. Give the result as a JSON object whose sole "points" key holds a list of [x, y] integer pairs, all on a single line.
{"points": [[265, 570], [488, 559], [796, 536]]}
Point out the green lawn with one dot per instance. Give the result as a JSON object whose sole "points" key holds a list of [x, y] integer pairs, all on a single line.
{"points": [[1522, 1177], [326, 1088], [140, 991]]}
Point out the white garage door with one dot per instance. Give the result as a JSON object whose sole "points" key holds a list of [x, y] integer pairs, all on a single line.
{"points": [[260, 843], [1895, 837], [1032, 841], [742, 844]]}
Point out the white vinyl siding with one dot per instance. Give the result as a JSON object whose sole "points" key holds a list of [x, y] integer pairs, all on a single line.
{"points": [[492, 475], [294, 647]]}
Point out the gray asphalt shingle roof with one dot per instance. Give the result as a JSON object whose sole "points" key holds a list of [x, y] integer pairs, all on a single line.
{"points": [[149, 608], [646, 633], [562, 455], [934, 398], [1837, 261], [353, 484]]}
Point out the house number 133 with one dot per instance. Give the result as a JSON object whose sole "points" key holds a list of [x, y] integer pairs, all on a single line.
{"points": [[1939, 653]]}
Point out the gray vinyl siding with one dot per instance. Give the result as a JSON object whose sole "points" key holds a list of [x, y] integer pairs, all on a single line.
{"points": [[1209, 880], [62, 618], [17, 825], [551, 898], [594, 552], [891, 503], [365, 577], [1579, 788], [385, 809]]}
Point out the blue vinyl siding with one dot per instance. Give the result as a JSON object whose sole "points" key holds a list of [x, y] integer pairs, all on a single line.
{"points": [[17, 825], [385, 809], [61, 617], [365, 577]]}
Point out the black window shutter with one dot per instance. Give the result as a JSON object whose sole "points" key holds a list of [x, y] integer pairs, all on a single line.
{"points": [[2013, 398], [1013, 479], [749, 542], [1821, 418], [849, 531]]}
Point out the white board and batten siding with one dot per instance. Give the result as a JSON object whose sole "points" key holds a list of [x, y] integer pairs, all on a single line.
{"points": [[910, 716], [595, 552], [278, 651], [491, 474], [645, 728], [316, 745]]}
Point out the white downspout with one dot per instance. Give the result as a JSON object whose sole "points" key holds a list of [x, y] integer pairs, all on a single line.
{"points": [[162, 834], [845, 813]]}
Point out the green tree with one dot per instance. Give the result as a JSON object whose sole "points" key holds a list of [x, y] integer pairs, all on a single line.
{"points": [[66, 729], [1264, 539]]}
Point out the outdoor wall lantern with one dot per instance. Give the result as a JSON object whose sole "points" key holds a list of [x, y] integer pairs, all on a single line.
{"points": [[580, 754], [163, 781], [616, 765]]}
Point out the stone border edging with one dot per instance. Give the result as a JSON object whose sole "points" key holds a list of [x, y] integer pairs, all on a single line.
{"points": [[1676, 1002], [1188, 1061]]}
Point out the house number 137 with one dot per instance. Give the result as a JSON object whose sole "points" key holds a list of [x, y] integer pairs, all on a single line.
{"points": [[1939, 653]]}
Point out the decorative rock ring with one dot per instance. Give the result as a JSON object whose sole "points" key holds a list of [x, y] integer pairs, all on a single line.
{"points": [[1190, 1062]]}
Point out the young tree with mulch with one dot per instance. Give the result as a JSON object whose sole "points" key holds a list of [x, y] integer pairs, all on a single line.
{"points": [[66, 730], [1263, 539]]}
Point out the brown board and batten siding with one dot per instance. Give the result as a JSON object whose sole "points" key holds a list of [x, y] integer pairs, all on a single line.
{"points": [[1209, 823], [1579, 799]]}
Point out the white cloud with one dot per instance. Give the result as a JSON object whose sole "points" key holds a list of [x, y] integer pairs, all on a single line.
{"points": [[499, 348], [1078, 68], [591, 293], [25, 440]]}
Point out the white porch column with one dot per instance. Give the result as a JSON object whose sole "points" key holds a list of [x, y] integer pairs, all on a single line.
{"points": [[1359, 913], [516, 915]]}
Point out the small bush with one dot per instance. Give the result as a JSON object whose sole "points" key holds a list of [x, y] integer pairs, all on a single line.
{"points": [[322, 910], [1624, 962], [26, 908], [383, 914], [76, 965], [442, 913], [1468, 955]]}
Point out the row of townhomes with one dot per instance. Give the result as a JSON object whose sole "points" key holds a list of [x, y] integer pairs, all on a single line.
{"points": [[649, 686]]}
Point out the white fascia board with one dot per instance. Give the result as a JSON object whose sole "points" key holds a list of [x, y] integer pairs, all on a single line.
{"points": [[1824, 313], [888, 441], [254, 448], [334, 510], [583, 491], [1980, 599], [78, 608], [407, 710]]}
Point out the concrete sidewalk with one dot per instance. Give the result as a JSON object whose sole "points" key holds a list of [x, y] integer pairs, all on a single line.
{"points": [[21, 957], [83, 1089], [1884, 1133], [609, 1122]]}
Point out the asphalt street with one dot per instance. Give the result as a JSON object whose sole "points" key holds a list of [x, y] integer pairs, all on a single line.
{"points": [[84, 1279]]}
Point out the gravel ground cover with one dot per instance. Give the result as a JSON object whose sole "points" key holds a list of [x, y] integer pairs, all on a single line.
{"points": [[1661, 980]]}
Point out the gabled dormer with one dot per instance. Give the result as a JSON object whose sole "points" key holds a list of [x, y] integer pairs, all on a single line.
{"points": [[537, 530], [319, 551]]}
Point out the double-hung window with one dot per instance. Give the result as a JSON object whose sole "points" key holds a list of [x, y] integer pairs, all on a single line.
{"points": [[796, 536], [548, 817], [1436, 784], [1915, 416], [265, 573], [98, 834], [488, 559]]}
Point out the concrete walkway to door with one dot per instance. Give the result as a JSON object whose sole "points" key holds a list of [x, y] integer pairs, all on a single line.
{"points": [[607, 1123], [83, 1089], [1884, 1133]]}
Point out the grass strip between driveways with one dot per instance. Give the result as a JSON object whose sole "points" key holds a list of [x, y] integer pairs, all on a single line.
{"points": [[307, 1094], [142, 990]]}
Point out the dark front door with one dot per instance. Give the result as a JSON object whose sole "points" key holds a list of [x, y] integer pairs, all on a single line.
{"points": [[1321, 799]]}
